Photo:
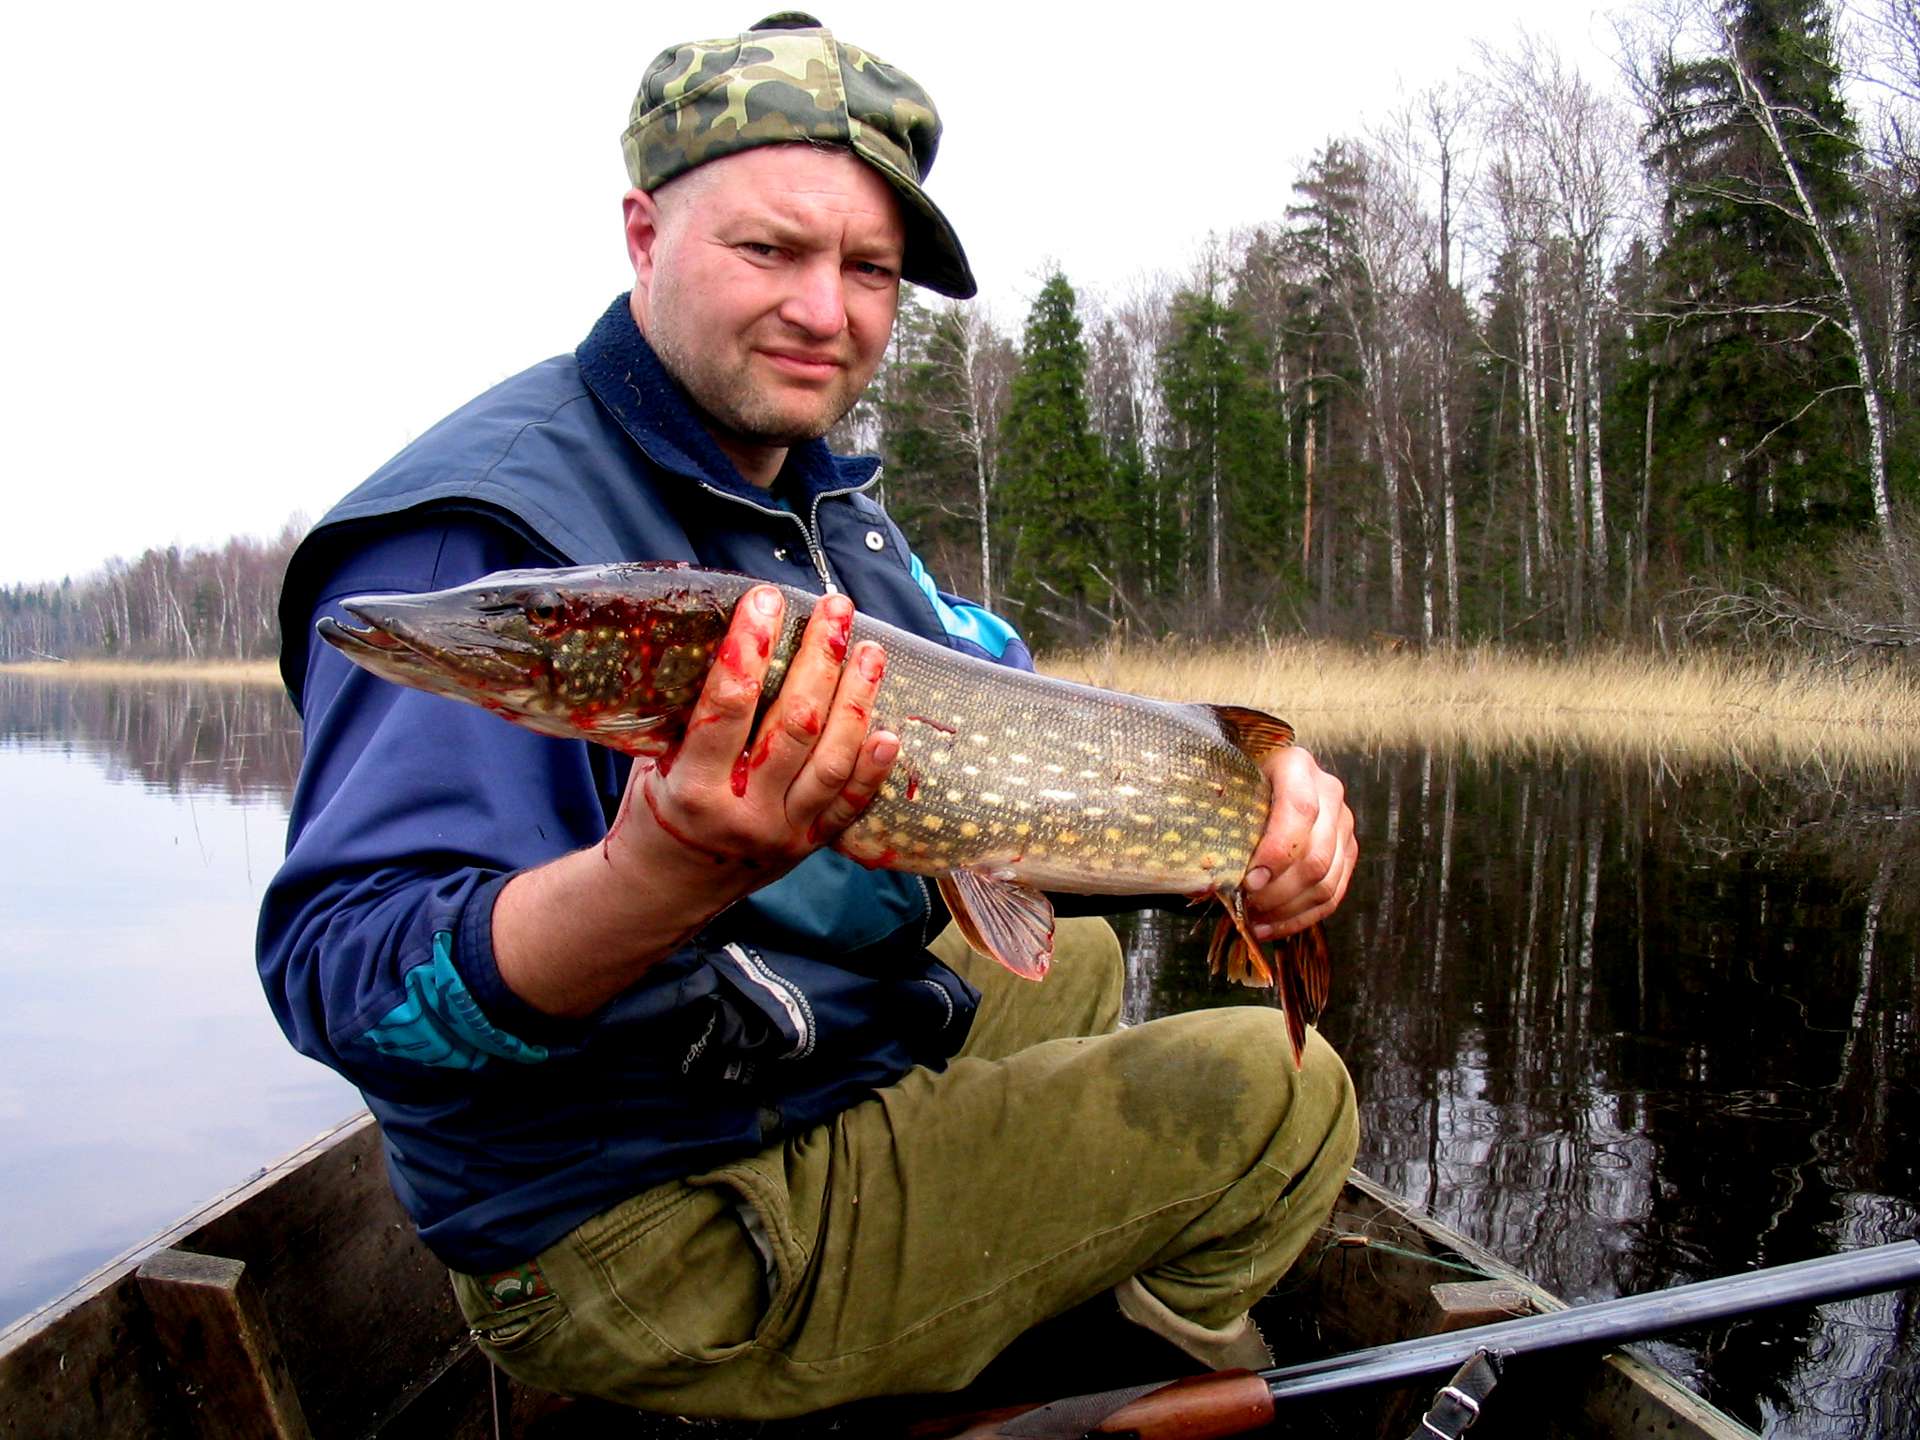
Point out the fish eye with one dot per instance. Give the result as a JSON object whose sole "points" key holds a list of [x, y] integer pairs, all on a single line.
{"points": [[543, 606]]}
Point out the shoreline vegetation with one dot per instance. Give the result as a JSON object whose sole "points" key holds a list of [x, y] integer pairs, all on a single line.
{"points": [[1699, 707], [1695, 708], [232, 672]]}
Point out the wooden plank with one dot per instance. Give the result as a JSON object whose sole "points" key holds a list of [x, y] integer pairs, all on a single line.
{"points": [[232, 1376]]}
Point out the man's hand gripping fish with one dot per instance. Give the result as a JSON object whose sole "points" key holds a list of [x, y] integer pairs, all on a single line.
{"points": [[1008, 784]]}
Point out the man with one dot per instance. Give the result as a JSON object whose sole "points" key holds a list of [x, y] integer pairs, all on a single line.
{"points": [[684, 1099]]}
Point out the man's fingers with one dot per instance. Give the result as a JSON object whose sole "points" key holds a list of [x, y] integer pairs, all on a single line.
{"points": [[873, 761], [722, 720], [796, 726], [1305, 859], [836, 761]]}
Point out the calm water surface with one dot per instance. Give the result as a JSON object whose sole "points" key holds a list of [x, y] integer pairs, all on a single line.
{"points": [[1625, 1026]]}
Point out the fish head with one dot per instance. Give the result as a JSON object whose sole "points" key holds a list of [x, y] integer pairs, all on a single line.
{"points": [[613, 653]]}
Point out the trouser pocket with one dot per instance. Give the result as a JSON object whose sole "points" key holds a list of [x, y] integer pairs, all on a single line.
{"points": [[675, 1274]]}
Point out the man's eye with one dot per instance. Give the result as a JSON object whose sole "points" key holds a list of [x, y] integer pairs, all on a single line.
{"points": [[760, 248], [871, 270]]}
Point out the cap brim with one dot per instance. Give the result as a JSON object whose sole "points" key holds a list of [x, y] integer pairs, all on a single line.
{"points": [[934, 257]]}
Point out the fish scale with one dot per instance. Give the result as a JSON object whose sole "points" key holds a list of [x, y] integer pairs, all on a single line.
{"points": [[1063, 786], [1008, 784]]}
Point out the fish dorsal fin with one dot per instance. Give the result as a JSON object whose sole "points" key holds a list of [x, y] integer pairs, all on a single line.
{"points": [[1255, 732], [1002, 919]]}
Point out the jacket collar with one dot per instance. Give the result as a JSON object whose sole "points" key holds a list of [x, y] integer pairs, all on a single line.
{"points": [[626, 377]]}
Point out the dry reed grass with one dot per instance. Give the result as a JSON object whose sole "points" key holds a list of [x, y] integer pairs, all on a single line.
{"points": [[1701, 708], [234, 672]]}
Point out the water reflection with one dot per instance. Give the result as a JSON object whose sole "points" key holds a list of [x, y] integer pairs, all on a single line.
{"points": [[143, 1071], [1632, 1027], [222, 737]]}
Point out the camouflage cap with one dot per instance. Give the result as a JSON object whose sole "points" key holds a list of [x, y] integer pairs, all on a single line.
{"points": [[788, 79]]}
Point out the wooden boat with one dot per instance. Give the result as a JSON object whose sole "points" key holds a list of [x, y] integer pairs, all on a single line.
{"points": [[302, 1304]]}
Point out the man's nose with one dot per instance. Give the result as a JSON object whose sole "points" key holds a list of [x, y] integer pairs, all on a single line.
{"points": [[817, 304]]}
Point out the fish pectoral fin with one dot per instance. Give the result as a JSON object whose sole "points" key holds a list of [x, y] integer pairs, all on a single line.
{"points": [[1254, 732], [1002, 919]]}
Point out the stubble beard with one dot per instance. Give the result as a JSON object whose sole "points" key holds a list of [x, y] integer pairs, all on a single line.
{"points": [[723, 389]]}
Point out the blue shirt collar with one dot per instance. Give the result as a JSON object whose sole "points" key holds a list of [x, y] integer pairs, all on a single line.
{"points": [[624, 374]]}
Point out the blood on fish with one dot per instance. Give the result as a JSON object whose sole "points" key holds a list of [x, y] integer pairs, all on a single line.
{"points": [[933, 724], [913, 784]]}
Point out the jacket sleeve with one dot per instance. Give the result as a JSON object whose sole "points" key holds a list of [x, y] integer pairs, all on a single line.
{"points": [[411, 813]]}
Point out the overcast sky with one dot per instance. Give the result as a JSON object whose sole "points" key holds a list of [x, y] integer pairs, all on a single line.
{"points": [[255, 249]]}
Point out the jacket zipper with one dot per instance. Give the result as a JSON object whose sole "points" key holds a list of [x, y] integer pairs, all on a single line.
{"points": [[809, 532]]}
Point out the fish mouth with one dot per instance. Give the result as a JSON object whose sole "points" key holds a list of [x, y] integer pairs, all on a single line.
{"points": [[421, 635]]}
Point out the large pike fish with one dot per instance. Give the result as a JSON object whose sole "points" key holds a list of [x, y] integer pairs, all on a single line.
{"points": [[1008, 784]]}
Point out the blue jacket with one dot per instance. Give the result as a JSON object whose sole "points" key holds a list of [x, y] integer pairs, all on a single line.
{"points": [[506, 1127]]}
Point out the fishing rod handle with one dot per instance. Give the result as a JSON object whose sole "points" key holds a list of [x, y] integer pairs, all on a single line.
{"points": [[1200, 1407]]}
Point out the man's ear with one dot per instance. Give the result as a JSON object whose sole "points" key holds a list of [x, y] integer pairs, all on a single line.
{"points": [[642, 213]]}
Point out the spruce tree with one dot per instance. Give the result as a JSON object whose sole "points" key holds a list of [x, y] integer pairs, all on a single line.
{"points": [[1053, 481], [1756, 381], [1225, 453]]}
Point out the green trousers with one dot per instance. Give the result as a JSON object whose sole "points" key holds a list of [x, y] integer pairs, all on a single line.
{"points": [[900, 1247]]}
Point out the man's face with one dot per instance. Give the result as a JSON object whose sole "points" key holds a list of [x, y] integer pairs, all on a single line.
{"points": [[766, 282]]}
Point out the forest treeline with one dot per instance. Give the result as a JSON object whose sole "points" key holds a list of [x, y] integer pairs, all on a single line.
{"points": [[200, 604], [1545, 358]]}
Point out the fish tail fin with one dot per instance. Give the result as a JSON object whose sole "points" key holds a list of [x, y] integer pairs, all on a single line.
{"points": [[1297, 968]]}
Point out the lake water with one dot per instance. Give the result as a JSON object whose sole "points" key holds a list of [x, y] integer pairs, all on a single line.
{"points": [[1626, 1026]]}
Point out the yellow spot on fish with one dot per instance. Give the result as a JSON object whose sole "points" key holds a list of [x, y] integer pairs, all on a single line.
{"points": [[1176, 801], [890, 790], [1019, 759], [932, 822], [1089, 774], [941, 757], [1016, 779], [1178, 857], [1094, 811], [1227, 812], [1056, 769], [1133, 850], [980, 740], [1140, 818], [1023, 828], [956, 797], [969, 829], [1113, 832], [1068, 837], [1212, 832], [1126, 792], [1172, 837], [987, 797]]}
